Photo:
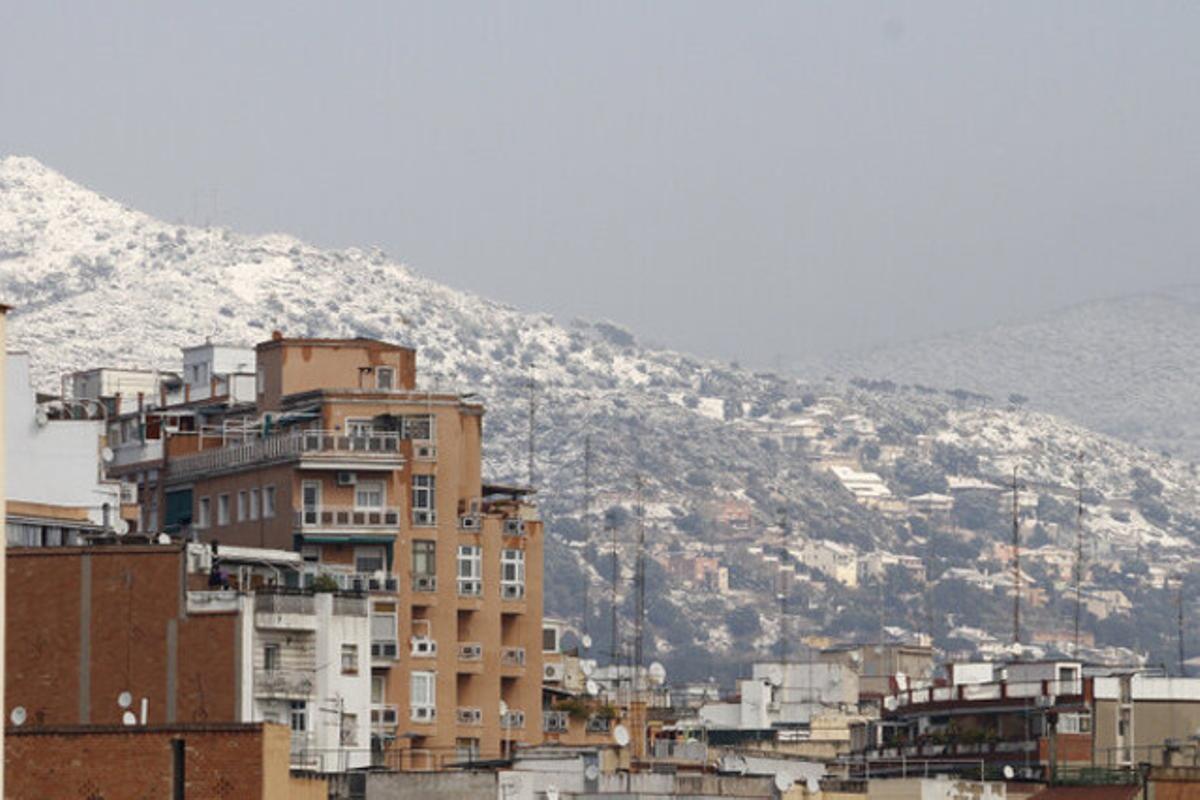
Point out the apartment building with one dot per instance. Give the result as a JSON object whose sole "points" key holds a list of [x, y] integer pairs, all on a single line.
{"points": [[377, 485]]}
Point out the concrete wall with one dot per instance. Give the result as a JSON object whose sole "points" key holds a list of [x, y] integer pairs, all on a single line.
{"points": [[57, 463]]}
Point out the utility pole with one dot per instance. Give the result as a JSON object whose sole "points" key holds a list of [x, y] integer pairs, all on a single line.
{"points": [[585, 639], [1078, 552], [1016, 544]]}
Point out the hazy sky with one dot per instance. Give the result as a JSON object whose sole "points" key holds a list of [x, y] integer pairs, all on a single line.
{"points": [[739, 179]]}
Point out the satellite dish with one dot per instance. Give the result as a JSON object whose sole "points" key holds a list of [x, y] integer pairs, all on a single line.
{"points": [[621, 736], [585, 640], [889, 703], [591, 772], [18, 716], [125, 699], [129, 718], [775, 675], [587, 667], [1009, 772], [592, 688], [657, 674], [107, 455], [120, 527], [41, 418], [783, 781]]}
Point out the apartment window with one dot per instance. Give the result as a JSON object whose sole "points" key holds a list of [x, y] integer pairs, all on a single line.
{"points": [[358, 427], [241, 507], [310, 495], [299, 716], [368, 559], [512, 569], [423, 689], [268, 502], [253, 504], [223, 509], [378, 689], [385, 377], [368, 495], [349, 659], [470, 569], [424, 560], [549, 640], [270, 657], [466, 750], [349, 730], [383, 626], [417, 426], [423, 494], [203, 513]]}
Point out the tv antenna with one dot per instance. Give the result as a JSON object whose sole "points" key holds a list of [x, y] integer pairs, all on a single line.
{"points": [[640, 580], [532, 421], [585, 639], [1016, 544], [615, 563], [1179, 623], [1078, 550], [782, 587]]}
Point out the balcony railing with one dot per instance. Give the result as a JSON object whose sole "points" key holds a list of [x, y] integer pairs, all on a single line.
{"points": [[466, 715], [599, 724], [512, 720], [555, 721], [512, 657], [284, 447], [334, 517], [470, 651], [384, 718], [994, 691], [282, 683], [278, 603]]}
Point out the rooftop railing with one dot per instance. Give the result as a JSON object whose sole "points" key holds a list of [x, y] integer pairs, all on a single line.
{"points": [[336, 517], [286, 446]]}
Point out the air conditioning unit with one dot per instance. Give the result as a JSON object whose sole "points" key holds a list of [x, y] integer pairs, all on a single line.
{"points": [[129, 493], [470, 588], [470, 652], [424, 518], [512, 591], [389, 650], [424, 713], [514, 527], [553, 673], [424, 452], [469, 522], [425, 583], [423, 647], [346, 478]]}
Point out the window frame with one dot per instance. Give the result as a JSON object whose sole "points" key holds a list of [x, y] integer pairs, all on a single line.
{"points": [[391, 381], [424, 552], [223, 508], [268, 501], [424, 493], [253, 503], [298, 710], [427, 681], [349, 658], [374, 486], [203, 512]]}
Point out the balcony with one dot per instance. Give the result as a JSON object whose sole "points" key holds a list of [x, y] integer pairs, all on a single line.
{"points": [[338, 519], [315, 449], [470, 651], [512, 660], [466, 715], [512, 720], [282, 683], [599, 724], [384, 719], [555, 721]]}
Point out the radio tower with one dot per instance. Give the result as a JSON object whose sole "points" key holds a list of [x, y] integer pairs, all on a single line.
{"points": [[585, 640], [1016, 543], [1078, 551]]}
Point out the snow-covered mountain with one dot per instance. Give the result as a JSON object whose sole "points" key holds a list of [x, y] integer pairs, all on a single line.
{"points": [[1127, 366], [723, 454]]}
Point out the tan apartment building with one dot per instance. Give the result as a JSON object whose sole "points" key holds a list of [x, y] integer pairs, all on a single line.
{"points": [[379, 487]]}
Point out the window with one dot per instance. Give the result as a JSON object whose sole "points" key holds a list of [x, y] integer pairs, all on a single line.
{"points": [[423, 493], [241, 506], [349, 730], [270, 657], [203, 513], [549, 640], [470, 569], [423, 689], [512, 568], [378, 689], [358, 427], [260, 380], [385, 377], [417, 426], [254, 504], [310, 493], [310, 553], [383, 626], [368, 495], [268, 502], [223, 509], [349, 659], [466, 750], [299, 716], [368, 559], [424, 557]]}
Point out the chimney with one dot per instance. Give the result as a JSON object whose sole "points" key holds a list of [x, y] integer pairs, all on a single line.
{"points": [[276, 336]]}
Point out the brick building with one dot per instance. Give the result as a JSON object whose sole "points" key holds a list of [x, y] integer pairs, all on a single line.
{"points": [[377, 485]]}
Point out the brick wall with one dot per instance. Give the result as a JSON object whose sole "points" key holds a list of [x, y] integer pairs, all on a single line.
{"points": [[222, 762]]}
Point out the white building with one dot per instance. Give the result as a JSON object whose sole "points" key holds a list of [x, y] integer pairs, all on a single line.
{"points": [[838, 561], [785, 694]]}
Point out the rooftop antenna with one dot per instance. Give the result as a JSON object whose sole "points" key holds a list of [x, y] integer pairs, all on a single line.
{"points": [[1179, 623], [1078, 550], [585, 639], [1016, 543], [782, 587], [532, 420], [616, 577]]}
